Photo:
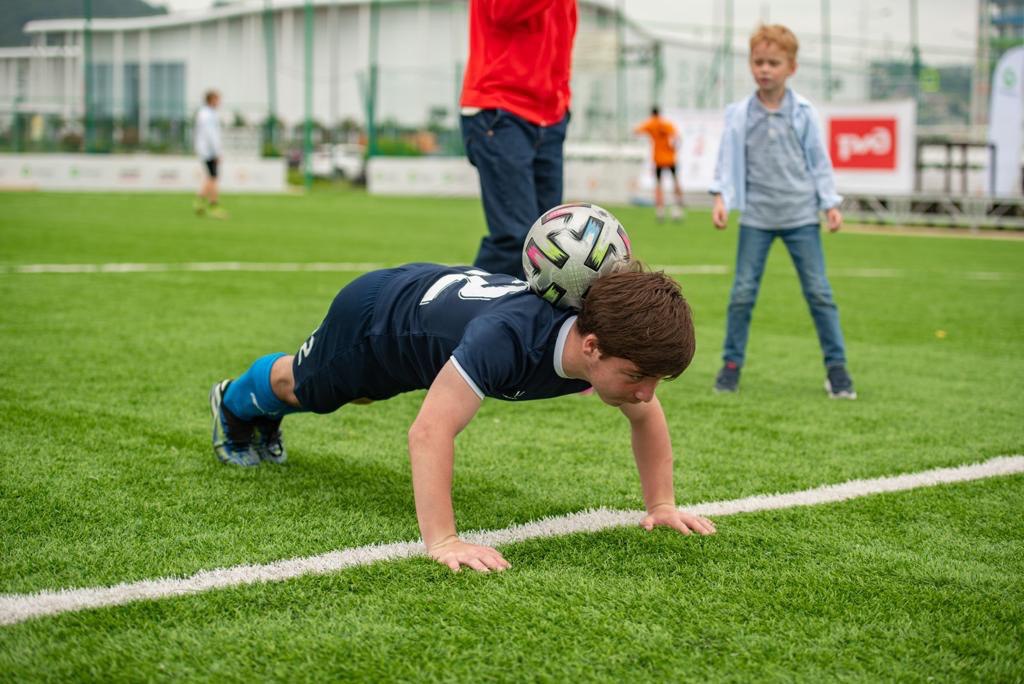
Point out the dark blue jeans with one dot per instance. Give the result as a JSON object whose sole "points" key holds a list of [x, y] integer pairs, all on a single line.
{"points": [[804, 245], [520, 168]]}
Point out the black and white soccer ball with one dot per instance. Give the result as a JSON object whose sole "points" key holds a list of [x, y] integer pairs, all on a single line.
{"points": [[568, 247]]}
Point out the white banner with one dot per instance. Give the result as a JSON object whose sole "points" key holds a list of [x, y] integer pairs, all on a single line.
{"points": [[700, 131], [871, 145], [1006, 116], [130, 172], [596, 173]]}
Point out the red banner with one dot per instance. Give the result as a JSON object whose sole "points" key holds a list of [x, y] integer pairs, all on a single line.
{"points": [[863, 143]]}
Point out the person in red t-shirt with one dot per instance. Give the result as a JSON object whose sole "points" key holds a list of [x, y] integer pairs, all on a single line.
{"points": [[515, 110], [664, 140]]}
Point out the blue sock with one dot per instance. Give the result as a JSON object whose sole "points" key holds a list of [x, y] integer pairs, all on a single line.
{"points": [[250, 396]]}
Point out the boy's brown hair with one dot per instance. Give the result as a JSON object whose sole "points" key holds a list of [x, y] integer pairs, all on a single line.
{"points": [[640, 316], [776, 34]]}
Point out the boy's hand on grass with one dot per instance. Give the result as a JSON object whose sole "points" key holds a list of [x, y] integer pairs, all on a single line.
{"points": [[455, 553], [719, 214], [681, 521], [835, 219]]}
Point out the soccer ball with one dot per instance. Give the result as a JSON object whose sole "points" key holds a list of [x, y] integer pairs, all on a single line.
{"points": [[568, 247]]}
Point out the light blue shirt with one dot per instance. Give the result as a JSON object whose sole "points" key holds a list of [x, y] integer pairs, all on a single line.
{"points": [[780, 191], [731, 170]]}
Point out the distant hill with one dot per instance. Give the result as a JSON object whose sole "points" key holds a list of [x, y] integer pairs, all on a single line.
{"points": [[14, 14]]}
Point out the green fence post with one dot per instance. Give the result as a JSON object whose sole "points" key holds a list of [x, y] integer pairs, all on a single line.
{"points": [[371, 86], [90, 123], [307, 138], [268, 41]]}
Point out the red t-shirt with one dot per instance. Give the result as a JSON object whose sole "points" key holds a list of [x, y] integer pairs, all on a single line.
{"points": [[520, 54]]}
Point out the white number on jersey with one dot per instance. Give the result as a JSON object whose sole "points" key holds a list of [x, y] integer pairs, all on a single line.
{"points": [[307, 347], [475, 286]]}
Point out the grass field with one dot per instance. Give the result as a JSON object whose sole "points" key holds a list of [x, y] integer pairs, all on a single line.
{"points": [[106, 473]]}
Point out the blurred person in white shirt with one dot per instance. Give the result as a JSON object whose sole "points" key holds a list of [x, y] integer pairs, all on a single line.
{"points": [[207, 142]]}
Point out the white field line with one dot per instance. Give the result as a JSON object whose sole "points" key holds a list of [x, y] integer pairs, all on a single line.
{"points": [[16, 608], [205, 267], [866, 272], [897, 273], [210, 267], [226, 266], [362, 267], [694, 269]]}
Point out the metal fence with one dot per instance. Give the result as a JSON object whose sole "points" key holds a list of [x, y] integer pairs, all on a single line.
{"points": [[66, 93]]}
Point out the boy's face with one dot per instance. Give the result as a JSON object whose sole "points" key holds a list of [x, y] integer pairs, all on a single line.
{"points": [[618, 381], [770, 66]]}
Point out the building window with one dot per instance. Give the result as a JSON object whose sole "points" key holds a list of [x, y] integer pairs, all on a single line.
{"points": [[101, 89], [130, 106], [167, 91]]}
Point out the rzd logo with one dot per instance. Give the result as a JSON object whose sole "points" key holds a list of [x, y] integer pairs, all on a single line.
{"points": [[863, 143]]}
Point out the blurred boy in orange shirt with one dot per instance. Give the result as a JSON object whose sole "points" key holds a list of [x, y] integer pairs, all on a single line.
{"points": [[664, 139]]}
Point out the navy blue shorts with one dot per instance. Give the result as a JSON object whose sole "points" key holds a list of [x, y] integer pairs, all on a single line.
{"points": [[211, 167], [334, 362], [659, 169]]}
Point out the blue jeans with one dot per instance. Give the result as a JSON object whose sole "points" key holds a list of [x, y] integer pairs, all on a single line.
{"points": [[520, 167], [804, 245]]}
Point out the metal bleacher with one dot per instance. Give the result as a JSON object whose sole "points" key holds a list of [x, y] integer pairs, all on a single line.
{"points": [[950, 156], [935, 209]]}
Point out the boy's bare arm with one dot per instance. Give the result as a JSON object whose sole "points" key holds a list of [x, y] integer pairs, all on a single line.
{"points": [[652, 449], [719, 214], [834, 218], [448, 407]]}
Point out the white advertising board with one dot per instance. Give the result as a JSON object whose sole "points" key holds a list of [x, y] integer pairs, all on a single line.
{"points": [[871, 145], [418, 176], [597, 173], [697, 151], [127, 173]]}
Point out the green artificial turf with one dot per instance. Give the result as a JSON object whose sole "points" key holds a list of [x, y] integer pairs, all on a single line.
{"points": [[106, 473]]}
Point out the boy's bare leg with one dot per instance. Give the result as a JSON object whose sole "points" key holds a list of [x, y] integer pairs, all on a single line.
{"points": [[202, 197], [677, 210], [208, 190], [282, 381]]}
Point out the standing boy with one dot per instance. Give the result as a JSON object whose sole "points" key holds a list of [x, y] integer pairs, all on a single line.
{"points": [[206, 140], [773, 167], [466, 334], [664, 140]]}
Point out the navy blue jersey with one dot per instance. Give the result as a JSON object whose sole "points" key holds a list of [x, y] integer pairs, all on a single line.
{"points": [[392, 331]]}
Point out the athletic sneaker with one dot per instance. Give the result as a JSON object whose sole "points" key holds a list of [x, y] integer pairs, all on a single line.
{"points": [[838, 383], [216, 211], [199, 206], [268, 442], [678, 214], [728, 379], [232, 436]]}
